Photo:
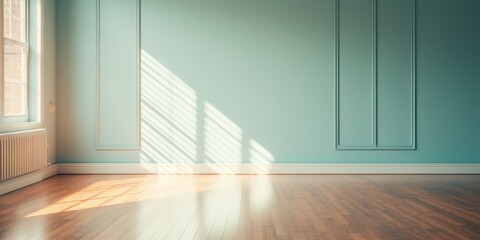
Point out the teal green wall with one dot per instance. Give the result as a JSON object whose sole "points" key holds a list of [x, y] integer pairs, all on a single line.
{"points": [[49, 76], [118, 70], [253, 81]]}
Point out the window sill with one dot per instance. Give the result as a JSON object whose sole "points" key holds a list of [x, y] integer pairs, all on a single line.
{"points": [[13, 127]]}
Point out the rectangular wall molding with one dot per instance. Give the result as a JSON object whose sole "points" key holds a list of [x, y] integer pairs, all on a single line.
{"points": [[375, 80], [277, 168], [118, 75]]}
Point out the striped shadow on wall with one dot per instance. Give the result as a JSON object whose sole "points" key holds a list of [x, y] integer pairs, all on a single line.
{"points": [[375, 75]]}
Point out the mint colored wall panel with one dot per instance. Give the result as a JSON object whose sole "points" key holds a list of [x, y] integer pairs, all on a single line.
{"points": [[395, 73], [118, 106], [355, 76], [239, 69], [268, 67]]}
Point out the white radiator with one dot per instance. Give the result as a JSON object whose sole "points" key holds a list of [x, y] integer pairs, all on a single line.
{"points": [[22, 152]]}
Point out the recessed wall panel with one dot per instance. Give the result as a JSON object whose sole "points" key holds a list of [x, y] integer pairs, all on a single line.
{"points": [[117, 93], [395, 75], [354, 73]]}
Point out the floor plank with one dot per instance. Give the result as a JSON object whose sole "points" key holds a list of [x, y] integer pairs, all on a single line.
{"points": [[244, 207]]}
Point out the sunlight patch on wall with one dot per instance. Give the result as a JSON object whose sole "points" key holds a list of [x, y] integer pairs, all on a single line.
{"points": [[259, 156], [178, 128], [223, 138], [169, 115]]}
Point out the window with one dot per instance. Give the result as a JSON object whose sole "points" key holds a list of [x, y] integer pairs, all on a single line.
{"points": [[18, 70], [14, 107]]}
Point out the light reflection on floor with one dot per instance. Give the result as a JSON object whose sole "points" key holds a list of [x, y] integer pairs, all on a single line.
{"points": [[243, 207], [206, 200], [149, 187]]}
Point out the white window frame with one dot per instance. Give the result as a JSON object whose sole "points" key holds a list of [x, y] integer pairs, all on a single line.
{"points": [[18, 123]]}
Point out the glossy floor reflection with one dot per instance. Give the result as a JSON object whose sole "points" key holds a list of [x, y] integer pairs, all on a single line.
{"points": [[244, 207]]}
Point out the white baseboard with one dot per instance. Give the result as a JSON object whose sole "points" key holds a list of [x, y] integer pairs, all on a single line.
{"points": [[27, 179], [235, 168], [276, 168]]}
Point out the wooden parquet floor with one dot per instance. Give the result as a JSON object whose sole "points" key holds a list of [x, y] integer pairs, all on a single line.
{"points": [[244, 207]]}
